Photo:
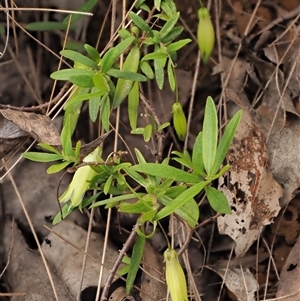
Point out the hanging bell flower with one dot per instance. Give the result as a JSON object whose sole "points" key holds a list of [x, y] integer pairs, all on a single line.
{"points": [[205, 34], [81, 181], [175, 277], [179, 120]]}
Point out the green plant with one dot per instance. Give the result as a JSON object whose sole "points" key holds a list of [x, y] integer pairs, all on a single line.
{"points": [[166, 190]]}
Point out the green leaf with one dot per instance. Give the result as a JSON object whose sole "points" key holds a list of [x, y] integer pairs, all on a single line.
{"points": [[171, 76], [42, 157], [181, 200], [127, 75], [65, 137], [124, 33], [141, 24], [74, 110], [83, 81], [165, 171], [94, 105], [173, 34], [159, 54], [124, 86], [100, 82], [136, 258], [86, 7], [169, 25], [112, 54], [137, 207], [93, 53], [66, 210], [163, 126], [178, 45], [209, 135], [81, 97], [217, 200], [136, 177], [78, 57], [197, 155], [139, 156], [66, 74], [46, 26], [49, 148], [189, 212], [105, 113], [157, 4], [117, 199], [147, 132], [108, 59], [137, 131], [226, 140], [169, 8], [57, 167], [146, 69], [133, 104]]}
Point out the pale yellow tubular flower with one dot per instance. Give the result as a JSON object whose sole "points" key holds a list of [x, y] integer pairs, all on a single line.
{"points": [[175, 277], [81, 181]]}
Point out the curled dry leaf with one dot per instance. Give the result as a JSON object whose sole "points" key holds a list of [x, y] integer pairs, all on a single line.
{"points": [[39, 127], [10, 136], [290, 276], [249, 186], [240, 282]]}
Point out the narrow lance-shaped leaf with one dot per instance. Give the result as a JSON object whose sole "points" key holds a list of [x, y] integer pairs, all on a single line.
{"points": [[209, 135], [112, 54], [165, 171], [124, 86], [169, 25], [159, 65], [94, 105], [146, 69], [178, 45], [171, 76], [141, 24], [86, 7], [197, 155], [226, 140], [182, 199], [92, 52], [133, 104], [217, 200], [78, 57], [42, 157], [136, 258]]}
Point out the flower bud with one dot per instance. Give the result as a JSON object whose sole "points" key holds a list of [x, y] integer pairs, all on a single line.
{"points": [[179, 120], [175, 277], [205, 34]]}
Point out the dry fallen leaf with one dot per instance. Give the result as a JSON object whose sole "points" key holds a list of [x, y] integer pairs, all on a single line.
{"points": [[26, 271], [249, 186], [39, 127], [240, 282], [290, 276], [284, 149], [10, 136], [67, 258], [151, 287]]}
